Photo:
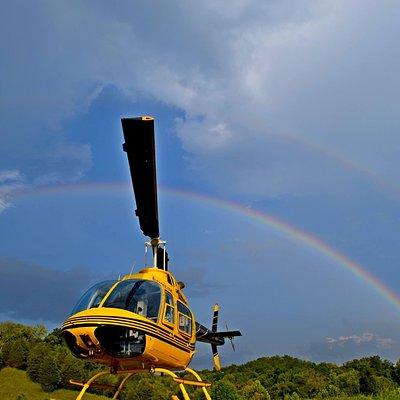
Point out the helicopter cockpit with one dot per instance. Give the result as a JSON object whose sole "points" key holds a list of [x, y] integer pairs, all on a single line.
{"points": [[142, 297]]}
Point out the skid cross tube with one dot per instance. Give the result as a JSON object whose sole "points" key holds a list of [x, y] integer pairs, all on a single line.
{"points": [[91, 383], [122, 384], [180, 381], [173, 376], [86, 386], [197, 376]]}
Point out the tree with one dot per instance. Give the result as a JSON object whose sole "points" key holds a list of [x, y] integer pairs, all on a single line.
{"points": [[368, 384], [348, 382], [15, 342], [255, 391], [18, 353], [55, 337], [149, 387], [43, 367], [384, 385], [34, 360], [224, 391]]}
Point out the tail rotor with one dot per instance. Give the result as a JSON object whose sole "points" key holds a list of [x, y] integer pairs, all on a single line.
{"points": [[214, 337], [214, 348], [230, 337]]}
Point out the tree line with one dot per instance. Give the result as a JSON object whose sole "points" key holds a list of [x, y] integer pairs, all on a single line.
{"points": [[48, 362]]}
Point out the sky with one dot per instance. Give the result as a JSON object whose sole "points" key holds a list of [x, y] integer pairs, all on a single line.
{"points": [[277, 151]]}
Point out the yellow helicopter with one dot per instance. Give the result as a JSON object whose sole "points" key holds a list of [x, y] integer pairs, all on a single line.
{"points": [[141, 322]]}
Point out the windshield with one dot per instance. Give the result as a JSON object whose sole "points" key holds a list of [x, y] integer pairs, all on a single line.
{"points": [[93, 297], [139, 296]]}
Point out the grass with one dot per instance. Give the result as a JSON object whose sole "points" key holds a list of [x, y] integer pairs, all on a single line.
{"points": [[14, 382]]}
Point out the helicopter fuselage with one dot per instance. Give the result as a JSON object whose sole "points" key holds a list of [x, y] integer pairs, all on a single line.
{"points": [[136, 323]]}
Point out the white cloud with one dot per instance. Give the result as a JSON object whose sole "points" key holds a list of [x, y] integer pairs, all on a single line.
{"points": [[242, 74], [385, 343], [364, 338], [10, 182], [346, 347], [9, 175]]}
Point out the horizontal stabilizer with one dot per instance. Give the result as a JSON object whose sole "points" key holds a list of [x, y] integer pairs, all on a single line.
{"points": [[206, 335], [227, 334]]}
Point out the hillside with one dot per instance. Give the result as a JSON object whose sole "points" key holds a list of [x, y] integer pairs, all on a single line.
{"points": [[30, 354], [14, 383]]}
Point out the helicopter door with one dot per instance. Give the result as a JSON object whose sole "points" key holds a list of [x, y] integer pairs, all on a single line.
{"points": [[169, 311]]}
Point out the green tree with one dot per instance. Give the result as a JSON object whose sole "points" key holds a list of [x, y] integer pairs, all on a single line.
{"points": [[54, 338], [140, 391], [348, 382], [34, 361], [43, 367], [50, 377], [224, 391], [368, 383], [255, 391], [16, 340], [384, 385], [294, 396], [18, 353]]}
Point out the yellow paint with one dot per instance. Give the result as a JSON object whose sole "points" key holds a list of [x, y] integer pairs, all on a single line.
{"points": [[166, 345]]}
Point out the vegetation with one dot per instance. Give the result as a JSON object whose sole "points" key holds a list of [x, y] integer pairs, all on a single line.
{"points": [[16, 385], [36, 365]]}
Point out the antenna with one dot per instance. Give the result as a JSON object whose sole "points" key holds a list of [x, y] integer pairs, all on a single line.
{"points": [[133, 266]]}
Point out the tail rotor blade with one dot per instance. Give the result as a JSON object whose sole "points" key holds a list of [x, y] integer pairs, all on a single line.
{"points": [[214, 348], [140, 148]]}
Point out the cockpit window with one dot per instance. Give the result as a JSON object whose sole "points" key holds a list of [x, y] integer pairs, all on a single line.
{"points": [[139, 296], [93, 297], [169, 313]]}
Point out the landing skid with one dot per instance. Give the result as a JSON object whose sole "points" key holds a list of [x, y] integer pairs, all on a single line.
{"points": [[128, 374]]}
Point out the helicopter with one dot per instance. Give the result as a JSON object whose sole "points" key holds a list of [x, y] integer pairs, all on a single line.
{"points": [[142, 321]]}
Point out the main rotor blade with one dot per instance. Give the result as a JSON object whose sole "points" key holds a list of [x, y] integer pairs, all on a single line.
{"points": [[140, 148]]}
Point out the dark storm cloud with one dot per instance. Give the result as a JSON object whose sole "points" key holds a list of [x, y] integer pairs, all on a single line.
{"points": [[32, 292]]}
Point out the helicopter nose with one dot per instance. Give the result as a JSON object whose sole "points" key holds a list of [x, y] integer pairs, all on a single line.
{"points": [[121, 342]]}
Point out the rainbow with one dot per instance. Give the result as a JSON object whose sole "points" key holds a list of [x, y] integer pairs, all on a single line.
{"points": [[372, 176], [263, 218]]}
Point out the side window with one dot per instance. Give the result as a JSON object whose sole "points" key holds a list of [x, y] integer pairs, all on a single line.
{"points": [[169, 308], [185, 319]]}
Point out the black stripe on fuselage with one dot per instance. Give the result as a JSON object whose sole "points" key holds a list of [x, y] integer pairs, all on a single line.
{"points": [[148, 328], [143, 324]]}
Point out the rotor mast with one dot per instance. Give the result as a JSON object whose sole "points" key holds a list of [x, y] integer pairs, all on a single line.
{"points": [[140, 148]]}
